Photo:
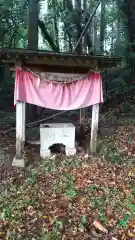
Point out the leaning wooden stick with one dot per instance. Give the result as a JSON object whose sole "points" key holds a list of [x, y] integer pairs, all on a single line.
{"points": [[86, 26]]}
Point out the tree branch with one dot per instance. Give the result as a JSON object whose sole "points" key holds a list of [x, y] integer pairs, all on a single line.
{"points": [[47, 36]]}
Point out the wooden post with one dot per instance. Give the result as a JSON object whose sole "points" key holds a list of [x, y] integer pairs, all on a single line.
{"points": [[82, 115], [94, 128], [20, 134]]}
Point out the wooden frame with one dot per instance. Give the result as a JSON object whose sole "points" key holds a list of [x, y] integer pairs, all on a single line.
{"points": [[50, 61], [20, 132], [54, 62]]}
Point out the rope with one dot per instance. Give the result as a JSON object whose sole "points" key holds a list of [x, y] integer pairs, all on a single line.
{"points": [[56, 77], [36, 122], [84, 77], [44, 119]]}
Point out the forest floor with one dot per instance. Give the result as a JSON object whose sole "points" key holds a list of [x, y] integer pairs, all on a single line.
{"points": [[80, 197]]}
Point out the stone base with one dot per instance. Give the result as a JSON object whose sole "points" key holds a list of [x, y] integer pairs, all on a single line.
{"points": [[18, 162], [70, 151], [53, 133], [45, 153]]}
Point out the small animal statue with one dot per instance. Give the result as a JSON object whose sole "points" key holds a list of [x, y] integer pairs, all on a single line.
{"points": [[57, 148]]}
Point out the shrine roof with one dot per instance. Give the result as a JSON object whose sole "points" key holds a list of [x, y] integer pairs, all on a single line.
{"points": [[57, 62]]}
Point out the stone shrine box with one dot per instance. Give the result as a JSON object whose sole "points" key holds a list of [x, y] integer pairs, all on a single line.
{"points": [[53, 133]]}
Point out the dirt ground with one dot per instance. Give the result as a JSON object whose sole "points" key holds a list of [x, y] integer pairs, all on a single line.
{"points": [[82, 197]]}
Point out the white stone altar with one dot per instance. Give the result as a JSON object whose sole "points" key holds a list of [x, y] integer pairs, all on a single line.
{"points": [[52, 133]]}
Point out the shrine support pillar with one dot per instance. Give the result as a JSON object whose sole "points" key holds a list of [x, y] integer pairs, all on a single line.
{"points": [[94, 128], [20, 134]]}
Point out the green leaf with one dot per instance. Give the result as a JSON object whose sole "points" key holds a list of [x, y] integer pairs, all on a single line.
{"points": [[102, 216], [84, 220], [6, 213], [28, 202], [133, 190], [51, 236], [93, 187], [132, 206], [32, 178], [71, 193], [125, 221]]}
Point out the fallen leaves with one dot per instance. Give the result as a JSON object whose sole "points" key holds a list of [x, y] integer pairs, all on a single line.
{"points": [[97, 224], [75, 207], [73, 198]]}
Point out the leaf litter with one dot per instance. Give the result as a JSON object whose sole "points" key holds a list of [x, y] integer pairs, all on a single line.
{"points": [[72, 197]]}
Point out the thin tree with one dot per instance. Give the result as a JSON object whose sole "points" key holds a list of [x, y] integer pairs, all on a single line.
{"points": [[102, 26]]}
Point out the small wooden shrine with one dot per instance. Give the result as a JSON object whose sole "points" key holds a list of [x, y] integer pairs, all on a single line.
{"points": [[41, 61]]}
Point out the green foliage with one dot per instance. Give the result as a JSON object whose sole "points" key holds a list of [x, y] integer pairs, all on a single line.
{"points": [[60, 27], [110, 153], [102, 216], [125, 221], [51, 236], [98, 202], [57, 225], [133, 191], [13, 27], [67, 182], [84, 220], [64, 21], [93, 188], [61, 24], [6, 212], [28, 202], [32, 178], [71, 193]]}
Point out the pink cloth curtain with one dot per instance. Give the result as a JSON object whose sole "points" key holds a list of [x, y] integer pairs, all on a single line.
{"points": [[54, 95]]}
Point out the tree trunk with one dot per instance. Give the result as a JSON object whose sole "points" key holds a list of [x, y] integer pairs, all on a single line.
{"points": [[102, 26], [118, 33], [131, 21], [112, 39], [130, 8], [33, 25], [79, 29], [31, 110], [55, 22], [85, 21], [95, 46]]}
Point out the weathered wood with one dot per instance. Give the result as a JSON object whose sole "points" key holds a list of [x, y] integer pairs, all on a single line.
{"points": [[42, 62], [56, 69], [113, 71], [94, 128], [20, 129], [54, 60], [82, 115], [29, 52]]}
